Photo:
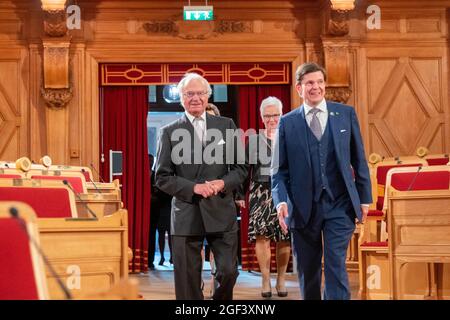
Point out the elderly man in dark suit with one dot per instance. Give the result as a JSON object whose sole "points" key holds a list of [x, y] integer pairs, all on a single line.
{"points": [[197, 163], [320, 184]]}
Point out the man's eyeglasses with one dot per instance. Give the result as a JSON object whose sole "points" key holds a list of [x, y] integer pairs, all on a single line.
{"points": [[271, 116], [191, 94]]}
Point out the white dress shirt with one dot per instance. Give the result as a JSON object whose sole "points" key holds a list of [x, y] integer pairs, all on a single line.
{"points": [[201, 123]]}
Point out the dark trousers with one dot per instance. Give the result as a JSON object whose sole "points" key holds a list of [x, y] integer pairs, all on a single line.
{"points": [[328, 232], [187, 261], [152, 242]]}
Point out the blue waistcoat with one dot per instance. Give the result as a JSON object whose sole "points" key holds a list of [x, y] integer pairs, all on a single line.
{"points": [[325, 171]]}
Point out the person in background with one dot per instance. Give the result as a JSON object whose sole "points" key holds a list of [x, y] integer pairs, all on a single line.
{"points": [[264, 226], [212, 109], [154, 216], [159, 221]]}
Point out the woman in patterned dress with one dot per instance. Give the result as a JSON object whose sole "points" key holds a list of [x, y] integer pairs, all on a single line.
{"points": [[263, 219]]}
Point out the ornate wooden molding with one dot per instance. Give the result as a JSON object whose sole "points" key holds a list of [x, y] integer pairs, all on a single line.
{"points": [[234, 26], [338, 23], [197, 30], [56, 64], [336, 53], [57, 98], [166, 26], [338, 94], [55, 23], [56, 90]]}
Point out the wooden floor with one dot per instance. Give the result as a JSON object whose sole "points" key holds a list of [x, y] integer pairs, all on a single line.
{"points": [[158, 285]]}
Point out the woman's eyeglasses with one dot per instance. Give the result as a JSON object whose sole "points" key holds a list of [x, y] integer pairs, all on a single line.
{"points": [[271, 116]]}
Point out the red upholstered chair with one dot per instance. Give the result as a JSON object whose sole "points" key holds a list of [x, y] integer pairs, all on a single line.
{"points": [[433, 159], [10, 176], [47, 202], [438, 160], [374, 255], [11, 173], [76, 179], [22, 273], [372, 241]]}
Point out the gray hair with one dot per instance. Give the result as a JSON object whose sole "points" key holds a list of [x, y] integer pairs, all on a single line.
{"points": [[270, 101], [213, 108], [188, 77]]}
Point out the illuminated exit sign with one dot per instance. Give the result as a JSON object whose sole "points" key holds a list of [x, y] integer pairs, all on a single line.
{"points": [[198, 13]]}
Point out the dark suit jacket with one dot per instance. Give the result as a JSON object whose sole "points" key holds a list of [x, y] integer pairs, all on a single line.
{"points": [[192, 214], [292, 180]]}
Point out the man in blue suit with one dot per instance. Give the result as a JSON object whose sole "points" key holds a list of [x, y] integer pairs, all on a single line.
{"points": [[320, 184]]}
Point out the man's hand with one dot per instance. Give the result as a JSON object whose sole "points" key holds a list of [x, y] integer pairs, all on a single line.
{"points": [[240, 203], [364, 211], [282, 214], [217, 185], [204, 189]]}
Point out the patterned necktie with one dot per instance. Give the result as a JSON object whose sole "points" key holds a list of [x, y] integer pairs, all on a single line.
{"points": [[199, 129], [315, 123]]}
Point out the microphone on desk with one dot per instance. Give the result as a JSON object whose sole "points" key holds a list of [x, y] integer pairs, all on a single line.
{"points": [[15, 214], [79, 198], [414, 178], [93, 168], [90, 180]]}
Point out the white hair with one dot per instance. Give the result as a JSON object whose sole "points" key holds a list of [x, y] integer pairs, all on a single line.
{"points": [[270, 101], [188, 77]]}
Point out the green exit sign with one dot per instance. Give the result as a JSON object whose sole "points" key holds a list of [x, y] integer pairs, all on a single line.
{"points": [[198, 13]]}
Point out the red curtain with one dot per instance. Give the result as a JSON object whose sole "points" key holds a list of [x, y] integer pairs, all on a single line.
{"points": [[124, 128], [250, 98]]}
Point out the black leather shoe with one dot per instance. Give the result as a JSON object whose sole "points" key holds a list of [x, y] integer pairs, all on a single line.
{"points": [[267, 294], [151, 266], [161, 262], [282, 294]]}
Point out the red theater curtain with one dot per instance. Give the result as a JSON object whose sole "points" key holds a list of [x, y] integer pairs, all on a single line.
{"points": [[125, 129], [250, 98]]}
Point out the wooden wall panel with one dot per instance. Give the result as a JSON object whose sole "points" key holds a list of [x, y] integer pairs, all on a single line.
{"points": [[406, 97], [13, 107]]}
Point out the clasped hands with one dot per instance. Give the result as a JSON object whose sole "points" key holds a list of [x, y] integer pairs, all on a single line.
{"points": [[209, 188]]}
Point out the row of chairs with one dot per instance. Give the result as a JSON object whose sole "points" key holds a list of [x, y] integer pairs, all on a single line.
{"points": [[22, 273], [62, 192], [400, 173], [54, 202]]}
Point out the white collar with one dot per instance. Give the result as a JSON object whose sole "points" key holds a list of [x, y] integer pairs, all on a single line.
{"points": [[191, 117], [322, 106]]}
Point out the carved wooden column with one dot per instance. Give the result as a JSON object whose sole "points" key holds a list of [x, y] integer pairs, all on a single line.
{"points": [[336, 50], [56, 89]]}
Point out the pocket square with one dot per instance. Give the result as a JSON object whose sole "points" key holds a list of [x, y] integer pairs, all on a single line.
{"points": [[343, 130], [221, 142]]}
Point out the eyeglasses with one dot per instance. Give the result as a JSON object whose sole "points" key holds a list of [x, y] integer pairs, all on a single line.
{"points": [[191, 94], [271, 116]]}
